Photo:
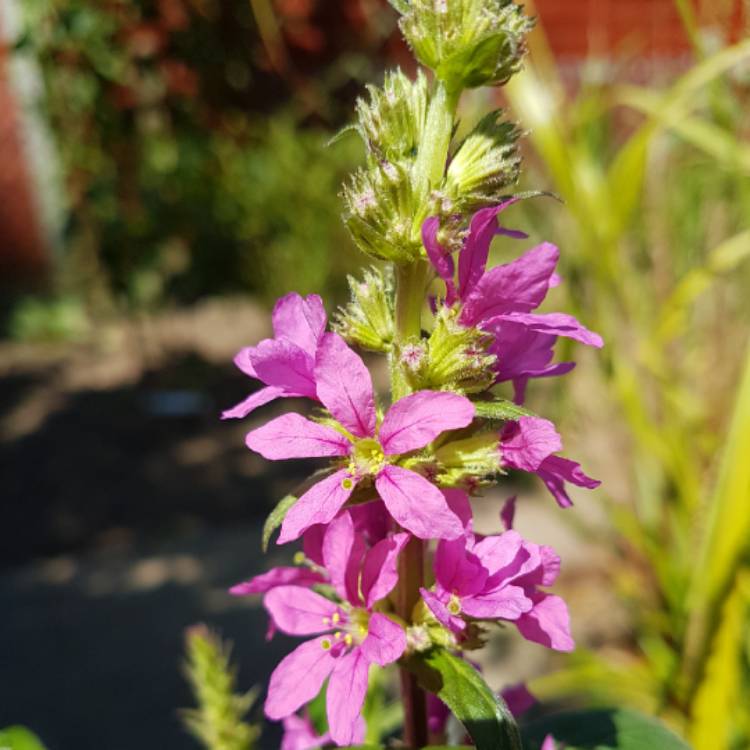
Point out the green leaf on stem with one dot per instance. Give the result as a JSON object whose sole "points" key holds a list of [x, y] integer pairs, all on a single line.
{"points": [[19, 738], [602, 729], [276, 518], [485, 716], [501, 409]]}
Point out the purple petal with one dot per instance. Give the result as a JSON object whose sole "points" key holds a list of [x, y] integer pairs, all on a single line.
{"points": [[371, 521], [312, 544], [443, 616], [345, 386], [417, 505], [282, 363], [319, 504], [519, 286], [550, 565], [508, 513], [458, 502], [417, 419], [556, 470], [243, 361], [440, 258], [385, 641], [557, 324], [343, 551], [523, 353], [525, 444], [458, 570], [549, 743], [293, 436], [518, 698], [506, 603], [547, 623], [299, 611], [277, 577], [300, 734], [337, 547], [473, 257], [380, 568], [437, 714], [345, 697], [298, 678], [501, 554], [253, 401], [301, 320]]}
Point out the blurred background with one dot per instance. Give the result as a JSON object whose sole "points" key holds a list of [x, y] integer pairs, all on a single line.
{"points": [[165, 174]]}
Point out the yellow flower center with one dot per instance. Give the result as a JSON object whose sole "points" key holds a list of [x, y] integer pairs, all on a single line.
{"points": [[367, 457]]}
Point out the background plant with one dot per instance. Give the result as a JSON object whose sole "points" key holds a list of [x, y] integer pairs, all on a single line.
{"points": [[658, 208]]}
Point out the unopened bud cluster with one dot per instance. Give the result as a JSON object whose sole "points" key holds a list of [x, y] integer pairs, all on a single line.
{"points": [[468, 43]]}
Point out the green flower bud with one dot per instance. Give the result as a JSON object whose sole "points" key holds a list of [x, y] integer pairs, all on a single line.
{"points": [[486, 163], [468, 43], [456, 358], [380, 209], [367, 321], [392, 122], [470, 461]]}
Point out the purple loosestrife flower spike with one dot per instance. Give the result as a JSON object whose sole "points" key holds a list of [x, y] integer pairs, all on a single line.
{"points": [[345, 388], [351, 635], [286, 362]]}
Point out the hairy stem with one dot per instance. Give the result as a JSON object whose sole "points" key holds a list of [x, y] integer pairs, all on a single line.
{"points": [[411, 284]]}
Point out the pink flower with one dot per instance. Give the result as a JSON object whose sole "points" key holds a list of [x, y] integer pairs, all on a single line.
{"points": [[350, 635], [529, 445], [300, 734], [496, 578], [371, 448], [286, 362], [502, 299]]}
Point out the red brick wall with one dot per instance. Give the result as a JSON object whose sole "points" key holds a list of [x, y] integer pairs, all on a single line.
{"points": [[22, 251], [653, 28]]}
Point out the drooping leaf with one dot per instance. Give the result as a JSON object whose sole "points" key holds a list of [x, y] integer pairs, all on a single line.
{"points": [[602, 729], [276, 518], [501, 409], [485, 716], [19, 738]]}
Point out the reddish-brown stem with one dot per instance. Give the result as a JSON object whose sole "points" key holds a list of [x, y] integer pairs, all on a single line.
{"points": [[411, 568]]}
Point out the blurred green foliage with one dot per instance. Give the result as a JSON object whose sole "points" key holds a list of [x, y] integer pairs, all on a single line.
{"points": [[656, 249], [184, 169], [218, 722]]}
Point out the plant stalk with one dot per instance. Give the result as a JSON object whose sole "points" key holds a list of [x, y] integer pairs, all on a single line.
{"points": [[411, 284]]}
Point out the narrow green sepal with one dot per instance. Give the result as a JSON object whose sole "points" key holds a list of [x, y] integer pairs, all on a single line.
{"points": [[486, 163], [501, 409], [367, 321]]}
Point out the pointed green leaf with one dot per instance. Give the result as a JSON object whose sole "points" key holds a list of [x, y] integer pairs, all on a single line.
{"points": [[603, 729], [501, 409], [485, 716], [276, 518]]}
